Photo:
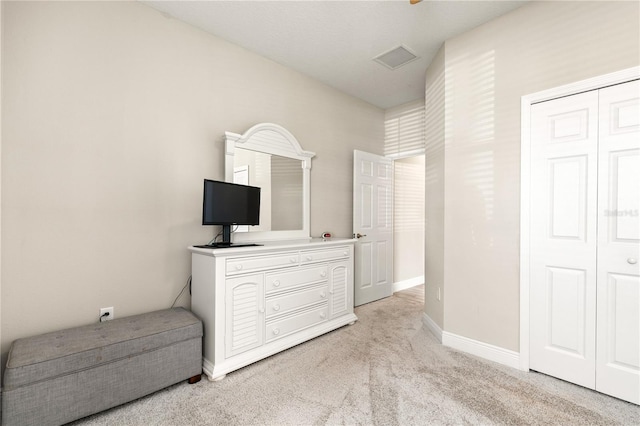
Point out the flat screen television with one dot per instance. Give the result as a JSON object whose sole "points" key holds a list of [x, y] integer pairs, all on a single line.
{"points": [[229, 204]]}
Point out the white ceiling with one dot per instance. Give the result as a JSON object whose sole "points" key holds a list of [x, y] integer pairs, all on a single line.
{"points": [[336, 41]]}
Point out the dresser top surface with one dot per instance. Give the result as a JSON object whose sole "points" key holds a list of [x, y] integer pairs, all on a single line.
{"points": [[267, 246]]}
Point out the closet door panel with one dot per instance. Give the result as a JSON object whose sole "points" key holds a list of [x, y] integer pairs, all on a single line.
{"points": [[618, 294], [563, 237]]}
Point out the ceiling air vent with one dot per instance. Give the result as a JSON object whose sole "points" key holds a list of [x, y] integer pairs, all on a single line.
{"points": [[395, 57]]}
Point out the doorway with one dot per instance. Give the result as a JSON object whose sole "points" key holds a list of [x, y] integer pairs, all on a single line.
{"points": [[388, 221], [408, 222], [399, 254]]}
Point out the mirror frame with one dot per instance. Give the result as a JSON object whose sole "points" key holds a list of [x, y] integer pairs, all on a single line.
{"points": [[272, 139]]}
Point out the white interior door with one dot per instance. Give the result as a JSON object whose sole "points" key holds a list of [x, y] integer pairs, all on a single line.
{"points": [[373, 221], [563, 237], [618, 297]]}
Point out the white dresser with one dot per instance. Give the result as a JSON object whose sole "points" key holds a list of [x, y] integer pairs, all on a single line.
{"points": [[257, 301]]}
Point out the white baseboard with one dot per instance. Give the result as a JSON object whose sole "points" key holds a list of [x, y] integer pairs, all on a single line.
{"points": [[431, 325], [481, 349], [405, 284], [473, 347]]}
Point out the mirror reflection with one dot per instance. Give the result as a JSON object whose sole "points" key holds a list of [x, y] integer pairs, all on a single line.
{"points": [[281, 181]]}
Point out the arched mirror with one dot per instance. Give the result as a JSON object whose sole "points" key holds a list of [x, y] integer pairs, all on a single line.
{"points": [[270, 157]]}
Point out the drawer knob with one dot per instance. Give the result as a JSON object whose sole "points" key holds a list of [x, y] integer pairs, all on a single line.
{"points": [[323, 274], [238, 267], [323, 294], [276, 331], [309, 258], [276, 308], [632, 261], [346, 253], [276, 283], [293, 260], [322, 315]]}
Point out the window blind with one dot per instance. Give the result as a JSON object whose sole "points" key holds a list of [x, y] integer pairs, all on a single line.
{"points": [[404, 130]]}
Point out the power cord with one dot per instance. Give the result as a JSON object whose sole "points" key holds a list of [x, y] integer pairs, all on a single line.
{"points": [[215, 239], [188, 283]]}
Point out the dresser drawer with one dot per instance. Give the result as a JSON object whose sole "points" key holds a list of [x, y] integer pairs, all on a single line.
{"points": [[278, 305], [260, 263], [311, 256], [285, 326], [295, 278]]}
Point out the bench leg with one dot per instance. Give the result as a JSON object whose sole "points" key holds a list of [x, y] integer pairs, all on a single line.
{"points": [[194, 379]]}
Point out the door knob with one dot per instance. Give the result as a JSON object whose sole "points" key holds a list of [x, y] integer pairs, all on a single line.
{"points": [[359, 235], [632, 261]]}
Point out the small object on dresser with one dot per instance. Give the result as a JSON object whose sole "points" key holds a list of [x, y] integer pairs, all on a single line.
{"points": [[326, 236]]}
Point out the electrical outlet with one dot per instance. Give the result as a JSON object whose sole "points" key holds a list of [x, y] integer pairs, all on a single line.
{"points": [[106, 314], [439, 296]]}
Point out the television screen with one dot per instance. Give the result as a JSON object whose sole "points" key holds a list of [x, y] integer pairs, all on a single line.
{"points": [[230, 204]]}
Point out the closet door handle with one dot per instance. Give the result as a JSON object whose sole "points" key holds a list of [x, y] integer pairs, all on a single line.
{"points": [[632, 261]]}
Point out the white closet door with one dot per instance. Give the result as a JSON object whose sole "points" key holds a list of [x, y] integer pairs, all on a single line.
{"points": [[563, 237], [618, 295]]}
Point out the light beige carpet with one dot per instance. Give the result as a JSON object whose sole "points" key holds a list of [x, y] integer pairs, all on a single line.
{"points": [[387, 369]]}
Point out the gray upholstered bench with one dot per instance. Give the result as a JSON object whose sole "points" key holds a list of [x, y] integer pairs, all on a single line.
{"points": [[62, 376]]}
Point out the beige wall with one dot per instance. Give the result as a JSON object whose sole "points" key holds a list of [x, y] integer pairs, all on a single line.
{"points": [[487, 70], [434, 189], [113, 115], [408, 219]]}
